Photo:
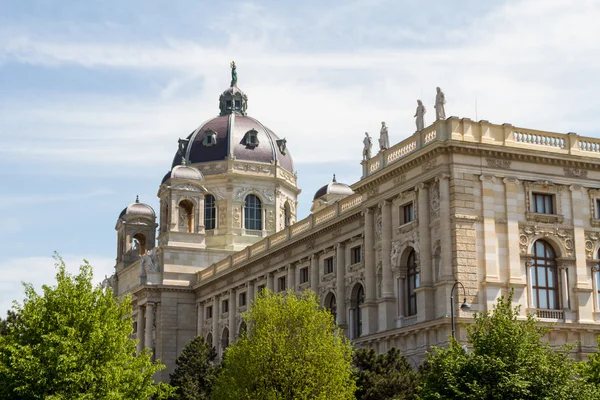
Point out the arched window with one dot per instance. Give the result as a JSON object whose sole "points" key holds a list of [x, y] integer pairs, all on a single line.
{"points": [[243, 328], [252, 213], [544, 284], [331, 305], [209, 339], [139, 243], [225, 339], [210, 212], [186, 216], [412, 282], [359, 299], [287, 214]]}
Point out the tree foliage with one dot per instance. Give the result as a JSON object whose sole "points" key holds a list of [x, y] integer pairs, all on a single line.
{"points": [[509, 360], [72, 342], [195, 372], [386, 376], [291, 350]]}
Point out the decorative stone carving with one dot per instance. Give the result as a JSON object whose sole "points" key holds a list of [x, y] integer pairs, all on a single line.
{"points": [[367, 145], [336, 233], [253, 168], [434, 201], [420, 116], [374, 191], [440, 101], [427, 165], [575, 172], [240, 194], [310, 244], [528, 232], [498, 163], [400, 179], [406, 228], [187, 188], [218, 192], [222, 216], [150, 261], [384, 139], [592, 239], [237, 217], [270, 220]]}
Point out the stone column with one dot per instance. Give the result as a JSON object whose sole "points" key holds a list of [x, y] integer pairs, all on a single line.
{"points": [[250, 292], [215, 324], [564, 287], [386, 305], [200, 320], [139, 334], [595, 273], [270, 282], [401, 299], [445, 229], [314, 273], [291, 274], [512, 234], [581, 211], [340, 294], [232, 313], [425, 298], [369, 309], [149, 325]]}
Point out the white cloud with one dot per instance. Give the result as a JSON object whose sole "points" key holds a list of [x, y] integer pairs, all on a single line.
{"points": [[41, 271]]}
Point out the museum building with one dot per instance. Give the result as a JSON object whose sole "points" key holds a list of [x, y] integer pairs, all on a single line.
{"points": [[493, 207]]}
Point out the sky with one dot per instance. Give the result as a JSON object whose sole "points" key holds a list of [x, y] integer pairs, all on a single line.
{"points": [[94, 95]]}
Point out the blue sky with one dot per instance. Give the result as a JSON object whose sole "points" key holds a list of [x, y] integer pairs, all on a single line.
{"points": [[95, 94]]}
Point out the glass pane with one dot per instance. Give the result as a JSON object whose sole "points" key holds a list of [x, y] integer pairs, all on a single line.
{"points": [[548, 205], [533, 277], [418, 280], [543, 298], [541, 275], [553, 303], [534, 293], [539, 204], [539, 249], [551, 280]]}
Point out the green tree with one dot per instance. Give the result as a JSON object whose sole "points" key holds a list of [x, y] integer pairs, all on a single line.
{"points": [[72, 342], [509, 360], [291, 350], [386, 376], [195, 372], [590, 370], [12, 318]]}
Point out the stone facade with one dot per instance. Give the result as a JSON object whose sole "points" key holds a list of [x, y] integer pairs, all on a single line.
{"points": [[457, 201]]}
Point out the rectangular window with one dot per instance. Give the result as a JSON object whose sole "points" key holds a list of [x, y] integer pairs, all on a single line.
{"points": [[355, 255], [303, 275], [225, 306], [543, 203], [209, 312], [408, 213], [260, 289], [242, 299], [328, 265], [281, 284]]}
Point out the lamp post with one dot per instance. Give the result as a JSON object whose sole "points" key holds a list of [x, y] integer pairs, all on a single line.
{"points": [[464, 306]]}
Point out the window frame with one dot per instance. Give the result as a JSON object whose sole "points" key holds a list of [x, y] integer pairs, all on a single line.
{"points": [[224, 306], [242, 299], [548, 201], [407, 208], [281, 283], [356, 255], [413, 281], [546, 264], [328, 266], [304, 275], [210, 212], [253, 213], [209, 312]]}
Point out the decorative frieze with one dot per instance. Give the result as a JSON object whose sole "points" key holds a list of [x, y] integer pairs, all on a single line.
{"points": [[498, 163], [529, 233], [575, 172], [434, 201], [428, 165]]}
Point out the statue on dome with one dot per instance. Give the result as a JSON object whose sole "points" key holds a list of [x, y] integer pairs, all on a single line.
{"points": [[384, 139], [233, 74], [420, 115], [368, 145], [440, 100]]}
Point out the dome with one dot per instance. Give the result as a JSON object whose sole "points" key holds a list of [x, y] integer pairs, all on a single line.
{"points": [[184, 172], [334, 188], [138, 209], [234, 135]]}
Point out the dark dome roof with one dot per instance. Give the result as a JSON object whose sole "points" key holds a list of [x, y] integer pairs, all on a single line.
{"points": [[334, 188], [231, 133], [137, 208]]}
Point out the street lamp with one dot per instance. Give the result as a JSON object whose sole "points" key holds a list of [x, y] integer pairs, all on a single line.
{"points": [[464, 306]]}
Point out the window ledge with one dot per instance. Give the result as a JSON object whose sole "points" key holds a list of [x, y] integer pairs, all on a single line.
{"points": [[544, 218], [549, 315], [328, 277], [405, 228], [595, 222]]}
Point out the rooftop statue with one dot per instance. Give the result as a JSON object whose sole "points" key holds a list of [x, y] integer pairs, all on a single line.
{"points": [[367, 148], [440, 100], [233, 74], [384, 139], [420, 114]]}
